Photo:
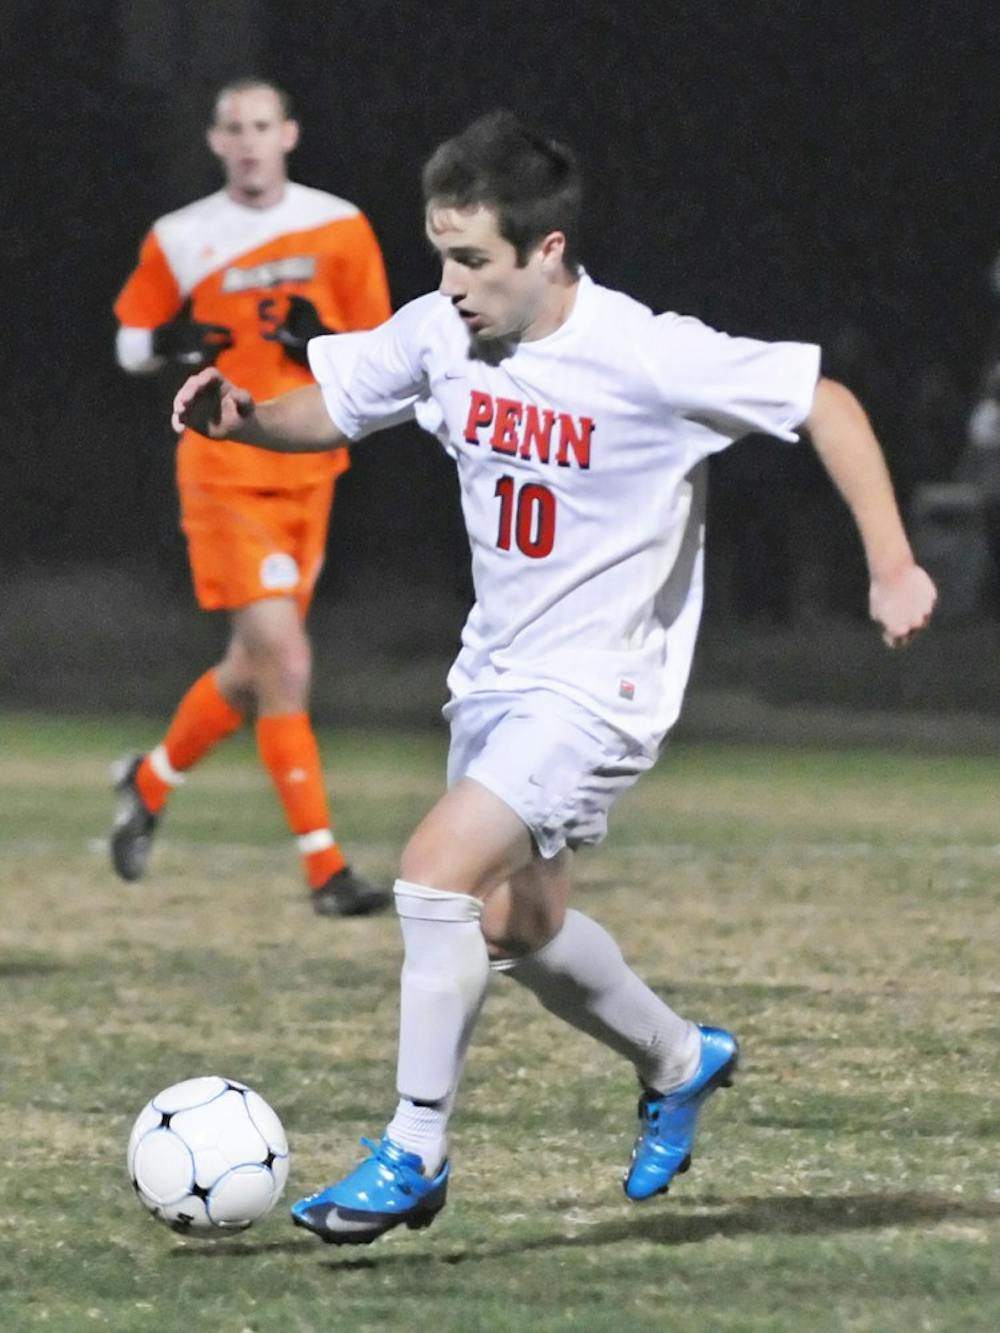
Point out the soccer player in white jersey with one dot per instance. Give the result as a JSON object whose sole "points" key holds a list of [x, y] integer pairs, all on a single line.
{"points": [[580, 423]]}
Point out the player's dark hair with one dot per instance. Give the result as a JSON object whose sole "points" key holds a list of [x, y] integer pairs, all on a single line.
{"points": [[532, 183], [247, 84]]}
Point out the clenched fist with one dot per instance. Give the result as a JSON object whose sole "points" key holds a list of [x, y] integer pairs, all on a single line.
{"points": [[902, 604], [211, 405]]}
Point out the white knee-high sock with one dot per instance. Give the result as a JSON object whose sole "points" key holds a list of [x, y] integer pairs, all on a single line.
{"points": [[444, 979], [581, 976]]}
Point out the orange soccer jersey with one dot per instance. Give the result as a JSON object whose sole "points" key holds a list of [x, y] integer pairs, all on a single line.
{"points": [[238, 266]]}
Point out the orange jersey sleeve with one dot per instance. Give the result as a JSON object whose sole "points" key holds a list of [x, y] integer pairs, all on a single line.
{"points": [[151, 295], [353, 272]]}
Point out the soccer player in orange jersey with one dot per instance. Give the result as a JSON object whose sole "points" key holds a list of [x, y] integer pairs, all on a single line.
{"points": [[242, 279]]}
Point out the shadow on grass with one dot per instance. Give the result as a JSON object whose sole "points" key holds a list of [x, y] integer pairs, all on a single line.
{"points": [[29, 967], [749, 1216], [802, 1216]]}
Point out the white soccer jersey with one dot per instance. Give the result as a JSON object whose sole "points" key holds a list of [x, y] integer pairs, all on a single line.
{"points": [[580, 457]]}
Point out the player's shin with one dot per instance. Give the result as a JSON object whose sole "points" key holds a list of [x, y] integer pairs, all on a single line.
{"points": [[582, 978], [203, 718], [444, 979]]}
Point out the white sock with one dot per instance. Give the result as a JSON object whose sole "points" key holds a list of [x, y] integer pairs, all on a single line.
{"points": [[444, 979], [582, 978]]}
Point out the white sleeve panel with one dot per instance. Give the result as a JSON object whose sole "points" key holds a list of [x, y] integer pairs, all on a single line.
{"points": [[373, 380], [134, 351], [732, 386], [984, 425]]}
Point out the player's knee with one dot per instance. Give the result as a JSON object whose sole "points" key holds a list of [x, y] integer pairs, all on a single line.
{"points": [[292, 666], [514, 927], [503, 948], [235, 680], [426, 860], [419, 864], [281, 665]]}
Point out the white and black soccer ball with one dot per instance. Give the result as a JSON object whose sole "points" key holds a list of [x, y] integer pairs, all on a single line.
{"points": [[208, 1156]]}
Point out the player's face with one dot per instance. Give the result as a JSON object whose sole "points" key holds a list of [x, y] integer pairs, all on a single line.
{"points": [[493, 294], [251, 137]]}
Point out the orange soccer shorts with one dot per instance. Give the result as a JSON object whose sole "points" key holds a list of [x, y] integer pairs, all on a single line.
{"points": [[245, 544]]}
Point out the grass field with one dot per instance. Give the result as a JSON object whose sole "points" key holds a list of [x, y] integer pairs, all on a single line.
{"points": [[837, 910]]}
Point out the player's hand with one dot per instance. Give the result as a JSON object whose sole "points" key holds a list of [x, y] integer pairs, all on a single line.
{"points": [[902, 604], [190, 343], [301, 323], [209, 404]]}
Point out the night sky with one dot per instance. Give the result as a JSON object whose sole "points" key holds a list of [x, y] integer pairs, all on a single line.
{"points": [[779, 168]]}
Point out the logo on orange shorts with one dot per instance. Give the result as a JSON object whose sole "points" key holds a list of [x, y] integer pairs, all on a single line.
{"points": [[279, 570]]}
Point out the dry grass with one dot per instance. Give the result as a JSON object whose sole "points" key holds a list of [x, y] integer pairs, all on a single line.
{"points": [[839, 911]]}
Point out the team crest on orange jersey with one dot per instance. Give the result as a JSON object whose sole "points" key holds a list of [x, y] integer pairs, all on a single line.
{"points": [[297, 268]]}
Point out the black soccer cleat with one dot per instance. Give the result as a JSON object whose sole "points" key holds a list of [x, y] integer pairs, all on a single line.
{"points": [[346, 894], [132, 832]]}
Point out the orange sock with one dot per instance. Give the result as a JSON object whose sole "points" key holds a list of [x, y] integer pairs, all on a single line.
{"points": [[290, 754], [203, 718]]}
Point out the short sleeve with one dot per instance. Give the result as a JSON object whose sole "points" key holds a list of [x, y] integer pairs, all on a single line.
{"points": [[375, 379], [151, 296], [362, 287], [731, 386]]}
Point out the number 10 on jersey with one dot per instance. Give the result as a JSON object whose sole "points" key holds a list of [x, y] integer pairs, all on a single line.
{"points": [[527, 517]]}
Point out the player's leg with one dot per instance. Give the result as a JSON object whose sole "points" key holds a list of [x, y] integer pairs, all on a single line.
{"points": [[143, 783], [579, 974], [272, 648], [209, 710], [577, 971], [468, 843], [341, 892], [569, 961]]}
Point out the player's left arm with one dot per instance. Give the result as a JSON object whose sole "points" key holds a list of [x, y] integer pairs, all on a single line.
{"points": [[358, 287], [362, 282], [901, 596]]}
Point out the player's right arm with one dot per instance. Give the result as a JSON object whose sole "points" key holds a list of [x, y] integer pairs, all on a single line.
{"points": [[293, 423], [155, 325]]}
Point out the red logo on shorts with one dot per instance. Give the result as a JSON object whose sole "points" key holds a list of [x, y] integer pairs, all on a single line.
{"points": [[626, 689]]}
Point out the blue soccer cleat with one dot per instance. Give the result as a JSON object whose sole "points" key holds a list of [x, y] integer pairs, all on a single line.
{"points": [[668, 1121], [388, 1189]]}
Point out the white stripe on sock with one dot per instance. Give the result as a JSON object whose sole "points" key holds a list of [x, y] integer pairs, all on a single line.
{"points": [[317, 841], [160, 763]]}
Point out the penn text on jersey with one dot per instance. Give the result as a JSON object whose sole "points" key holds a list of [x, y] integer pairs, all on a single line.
{"points": [[520, 428]]}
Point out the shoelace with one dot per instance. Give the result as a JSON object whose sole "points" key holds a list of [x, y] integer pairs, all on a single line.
{"points": [[382, 1155]]}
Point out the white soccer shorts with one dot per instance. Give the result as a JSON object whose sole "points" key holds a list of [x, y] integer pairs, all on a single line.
{"points": [[558, 767]]}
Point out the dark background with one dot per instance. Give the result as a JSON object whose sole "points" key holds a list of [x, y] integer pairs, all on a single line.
{"points": [[780, 168]]}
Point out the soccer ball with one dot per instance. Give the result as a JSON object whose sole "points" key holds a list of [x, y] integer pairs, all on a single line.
{"points": [[208, 1156]]}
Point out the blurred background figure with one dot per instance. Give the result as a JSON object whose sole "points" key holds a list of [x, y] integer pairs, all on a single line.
{"points": [[245, 277], [980, 468]]}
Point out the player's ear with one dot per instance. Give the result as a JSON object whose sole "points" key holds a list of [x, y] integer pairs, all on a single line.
{"points": [[289, 134], [552, 248], [214, 140]]}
